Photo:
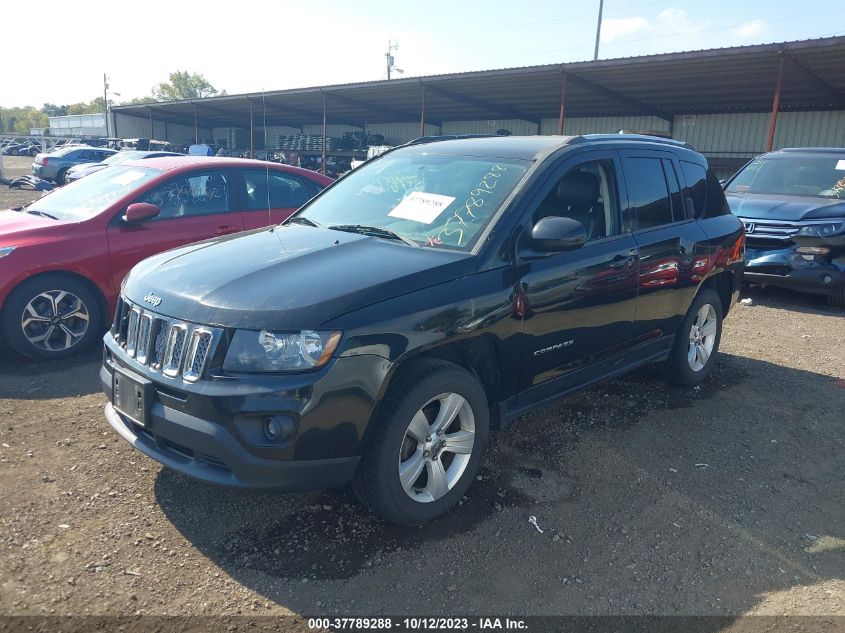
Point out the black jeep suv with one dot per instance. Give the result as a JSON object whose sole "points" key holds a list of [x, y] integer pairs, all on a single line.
{"points": [[429, 296], [792, 203]]}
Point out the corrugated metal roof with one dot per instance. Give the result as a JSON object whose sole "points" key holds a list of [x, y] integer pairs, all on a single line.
{"points": [[737, 79]]}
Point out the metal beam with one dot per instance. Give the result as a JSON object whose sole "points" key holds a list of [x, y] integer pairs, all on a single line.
{"points": [[501, 110], [366, 105], [837, 96], [305, 115], [636, 104], [422, 111]]}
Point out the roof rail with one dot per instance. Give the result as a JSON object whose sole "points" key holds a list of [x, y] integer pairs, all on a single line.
{"points": [[622, 136], [815, 150], [446, 137]]}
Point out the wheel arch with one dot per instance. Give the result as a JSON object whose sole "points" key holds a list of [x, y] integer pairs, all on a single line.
{"points": [[723, 283], [87, 282], [478, 355]]}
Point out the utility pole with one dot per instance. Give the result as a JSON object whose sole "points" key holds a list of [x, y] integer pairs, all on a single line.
{"points": [[598, 31], [391, 46], [106, 102]]}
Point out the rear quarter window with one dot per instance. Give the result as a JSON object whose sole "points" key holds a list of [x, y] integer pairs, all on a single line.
{"points": [[717, 204]]}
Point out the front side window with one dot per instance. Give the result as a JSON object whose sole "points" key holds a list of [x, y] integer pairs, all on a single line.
{"points": [[587, 194], [273, 190], [821, 177], [191, 195], [648, 195], [435, 200]]}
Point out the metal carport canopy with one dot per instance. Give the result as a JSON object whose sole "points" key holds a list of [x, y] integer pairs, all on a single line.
{"points": [[739, 79]]}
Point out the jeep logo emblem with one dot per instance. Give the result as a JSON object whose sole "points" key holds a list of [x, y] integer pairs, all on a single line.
{"points": [[152, 299]]}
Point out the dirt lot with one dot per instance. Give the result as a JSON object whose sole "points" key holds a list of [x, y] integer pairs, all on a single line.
{"points": [[726, 499]]}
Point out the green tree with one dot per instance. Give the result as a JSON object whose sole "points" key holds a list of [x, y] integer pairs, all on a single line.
{"points": [[51, 109], [184, 85]]}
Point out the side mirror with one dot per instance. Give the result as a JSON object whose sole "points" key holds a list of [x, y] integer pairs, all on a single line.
{"points": [[140, 211], [556, 234]]}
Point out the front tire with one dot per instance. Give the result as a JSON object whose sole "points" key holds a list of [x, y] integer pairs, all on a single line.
{"points": [[60, 177], [426, 446], [697, 341], [51, 317]]}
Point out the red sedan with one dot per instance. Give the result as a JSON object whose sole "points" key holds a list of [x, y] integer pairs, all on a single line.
{"points": [[63, 257]]}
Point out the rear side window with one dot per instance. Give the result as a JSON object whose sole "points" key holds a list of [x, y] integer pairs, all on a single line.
{"points": [[274, 189], [648, 194], [696, 178]]}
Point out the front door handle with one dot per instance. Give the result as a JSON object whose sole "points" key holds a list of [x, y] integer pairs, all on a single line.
{"points": [[226, 229], [624, 261]]}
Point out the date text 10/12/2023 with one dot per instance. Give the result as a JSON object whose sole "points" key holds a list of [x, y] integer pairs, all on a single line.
{"points": [[417, 624]]}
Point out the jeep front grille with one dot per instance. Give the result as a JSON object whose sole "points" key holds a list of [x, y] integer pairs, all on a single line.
{"points": [[170, 346]]}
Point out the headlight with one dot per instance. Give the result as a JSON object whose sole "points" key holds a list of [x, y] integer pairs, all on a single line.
{"points": [[266, 351], [820, 230], [6, 250]]}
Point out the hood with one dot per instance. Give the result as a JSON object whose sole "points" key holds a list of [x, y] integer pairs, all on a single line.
{"points": [[18, 227], [760, 206], [290, 277]]}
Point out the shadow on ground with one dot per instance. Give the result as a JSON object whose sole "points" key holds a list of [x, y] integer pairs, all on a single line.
{"points": [[654, 499]]}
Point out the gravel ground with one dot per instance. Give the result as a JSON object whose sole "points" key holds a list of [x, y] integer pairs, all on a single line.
{"points": [[726, 499]]}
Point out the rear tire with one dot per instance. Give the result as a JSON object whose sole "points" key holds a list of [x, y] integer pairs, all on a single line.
{"points": [[51, 317], [60, 177], [837, 298], [426, 445], [697, 341]]}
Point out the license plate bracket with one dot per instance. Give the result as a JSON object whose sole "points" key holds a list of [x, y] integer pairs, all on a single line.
{"points": [[131, 396]]}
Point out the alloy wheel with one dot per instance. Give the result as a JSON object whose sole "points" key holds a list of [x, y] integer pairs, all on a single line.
{"points": [[702, 337], [55, 320], [437, 447]]}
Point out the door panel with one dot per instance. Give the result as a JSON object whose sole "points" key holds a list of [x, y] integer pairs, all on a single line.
{"points": [[578, 306], [194, 207], [670, 266], [271, 196]]}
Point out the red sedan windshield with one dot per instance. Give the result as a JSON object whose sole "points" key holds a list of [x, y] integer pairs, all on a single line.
{"points": [[91, 195]]}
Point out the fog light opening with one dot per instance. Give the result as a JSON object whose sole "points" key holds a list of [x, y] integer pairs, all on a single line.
{"points": [[278, 428], [827, 279]]}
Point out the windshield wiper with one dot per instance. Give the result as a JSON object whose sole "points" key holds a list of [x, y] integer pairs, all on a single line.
{"points": [[299, 219], [375, 231], [41, 213]]}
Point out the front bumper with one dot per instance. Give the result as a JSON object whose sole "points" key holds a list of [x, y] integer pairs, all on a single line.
{"points": [[787, 268], [206, 429], [205, 451]]}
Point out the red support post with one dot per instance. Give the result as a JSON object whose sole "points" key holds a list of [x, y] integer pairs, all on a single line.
{"points": [[773, 119], [562, 102], [422, 113], [325, 139]]}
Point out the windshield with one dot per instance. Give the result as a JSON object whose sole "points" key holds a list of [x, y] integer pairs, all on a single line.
{"points": [[91, 195], [435, 200], [821, 177]]}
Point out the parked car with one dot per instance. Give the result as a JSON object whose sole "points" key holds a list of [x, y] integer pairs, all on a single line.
{"points": [[792, 203], [432, 294], [63, 257], [55, 165], [84, 169]]}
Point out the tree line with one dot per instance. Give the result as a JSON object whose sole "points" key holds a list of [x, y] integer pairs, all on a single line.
{"points": [[181, 85]]}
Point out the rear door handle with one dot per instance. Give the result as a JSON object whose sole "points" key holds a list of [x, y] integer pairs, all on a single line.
{"points": [[226, 229]]}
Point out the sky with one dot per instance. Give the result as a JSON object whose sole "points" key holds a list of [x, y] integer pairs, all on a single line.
{"points": [[271, 45]]}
